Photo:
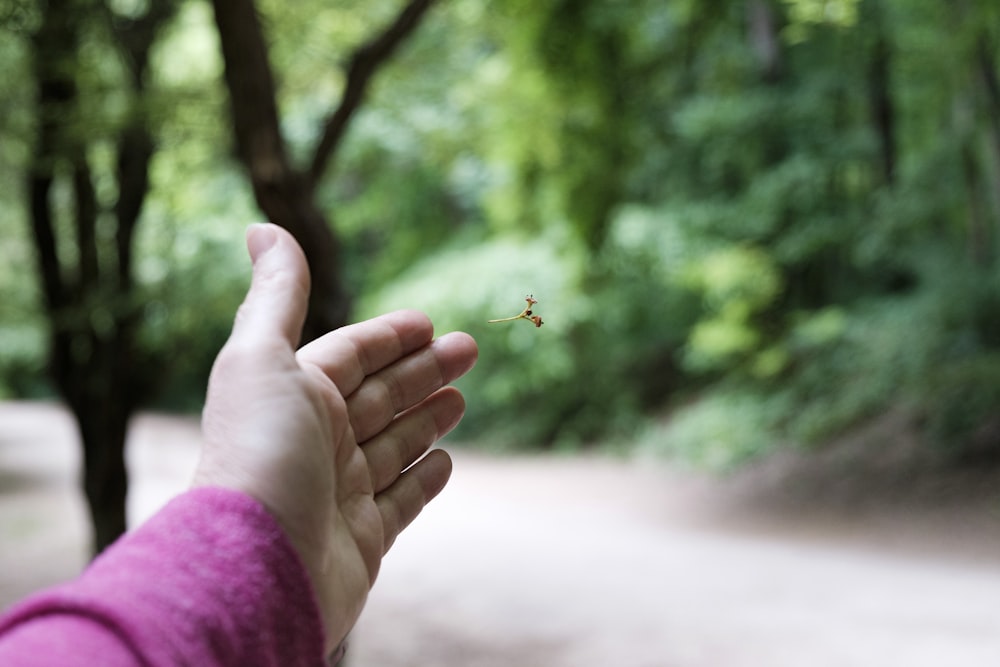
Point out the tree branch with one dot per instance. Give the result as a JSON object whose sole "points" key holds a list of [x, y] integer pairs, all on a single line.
{"points": [[53, 45], [136, 145], [88, 275], [136, 36], [364, 63]]}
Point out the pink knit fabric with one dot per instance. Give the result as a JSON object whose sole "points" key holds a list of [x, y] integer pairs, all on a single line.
{"points": [[210, 580]]}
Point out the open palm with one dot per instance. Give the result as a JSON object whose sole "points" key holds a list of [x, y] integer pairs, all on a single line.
{"points": [[330, 437]]}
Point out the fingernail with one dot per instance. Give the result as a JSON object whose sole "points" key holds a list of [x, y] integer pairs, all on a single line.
{"points": [[260, 239]]}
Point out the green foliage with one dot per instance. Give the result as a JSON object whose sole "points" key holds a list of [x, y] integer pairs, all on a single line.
{"points": [[932, 352], [462, 287], [737, 284], [961, 404], [718, 224], [23, 342], [804, 14], [719, 431], [22, 334], [604, 354], [188, 311]]}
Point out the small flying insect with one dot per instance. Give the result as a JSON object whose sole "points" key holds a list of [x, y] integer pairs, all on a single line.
{"points": [[525, 314]]}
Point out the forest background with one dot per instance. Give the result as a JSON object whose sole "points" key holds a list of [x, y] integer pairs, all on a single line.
{"points": [[749, 224]]}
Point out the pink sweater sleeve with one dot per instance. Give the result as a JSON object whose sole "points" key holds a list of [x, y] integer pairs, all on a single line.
{"points": [[210, 580]]}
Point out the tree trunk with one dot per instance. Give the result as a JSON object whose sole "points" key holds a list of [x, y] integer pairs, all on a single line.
{"points": [[90, 306], [102, 418], [285, 194], [90, 351], [288, 201]]}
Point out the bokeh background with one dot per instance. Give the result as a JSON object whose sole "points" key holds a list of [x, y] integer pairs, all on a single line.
{"points": [[763, 236]]}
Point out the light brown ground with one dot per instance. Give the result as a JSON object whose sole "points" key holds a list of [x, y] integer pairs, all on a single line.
{"points": [[556, 561]]}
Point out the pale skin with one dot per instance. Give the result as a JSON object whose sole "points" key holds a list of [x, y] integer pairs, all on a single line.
{"points": [[331, 438]]}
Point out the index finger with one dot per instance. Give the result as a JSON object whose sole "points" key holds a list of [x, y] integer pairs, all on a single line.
{"points": [[349, 354]]}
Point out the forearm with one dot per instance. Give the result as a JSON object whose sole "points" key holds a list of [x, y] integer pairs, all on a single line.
{"points": [[210, 580]]}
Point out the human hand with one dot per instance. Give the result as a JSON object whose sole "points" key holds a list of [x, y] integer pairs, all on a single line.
{"points": [[324, 437]]}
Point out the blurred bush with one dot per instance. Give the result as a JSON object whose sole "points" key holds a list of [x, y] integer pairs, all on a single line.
{"points": [[606, 351], [730, 250]]}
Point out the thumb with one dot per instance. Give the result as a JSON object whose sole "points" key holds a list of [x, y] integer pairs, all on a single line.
{"points": [[276, 304]]}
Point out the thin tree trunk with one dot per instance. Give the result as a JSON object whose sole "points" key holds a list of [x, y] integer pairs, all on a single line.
{"points": [[881, 103], [979, 236], [986, 62], [762, 33]]}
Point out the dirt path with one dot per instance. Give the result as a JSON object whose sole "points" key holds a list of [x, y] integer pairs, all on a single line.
{"points": [[555, 562]]}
